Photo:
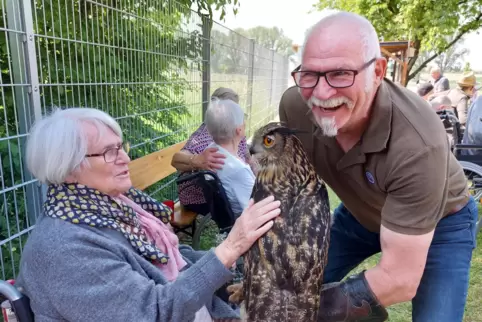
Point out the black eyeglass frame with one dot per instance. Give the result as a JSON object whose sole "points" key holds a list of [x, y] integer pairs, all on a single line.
{"points": [[320, 74], [125, 146]]}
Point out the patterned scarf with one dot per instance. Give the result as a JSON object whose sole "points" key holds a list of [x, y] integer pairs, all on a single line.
{"points": [[79, 204]]}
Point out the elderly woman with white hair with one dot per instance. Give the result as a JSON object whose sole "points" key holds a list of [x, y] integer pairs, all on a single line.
{"points": [[103, 250], [224, 120]]}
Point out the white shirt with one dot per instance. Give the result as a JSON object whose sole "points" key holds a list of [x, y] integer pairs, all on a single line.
{"points": [[237, 179]]}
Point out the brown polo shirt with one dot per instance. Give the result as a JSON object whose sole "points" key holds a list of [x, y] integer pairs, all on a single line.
{"points": [[401, 174]]}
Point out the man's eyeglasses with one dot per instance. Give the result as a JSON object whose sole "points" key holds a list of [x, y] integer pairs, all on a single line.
{"points": [[111, 154], [340, 78]]}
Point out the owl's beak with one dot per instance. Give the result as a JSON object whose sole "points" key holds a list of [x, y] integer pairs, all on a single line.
{"points": [[251, 150]]}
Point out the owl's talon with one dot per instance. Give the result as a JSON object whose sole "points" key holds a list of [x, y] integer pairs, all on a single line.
{"points": [[236, 293]]}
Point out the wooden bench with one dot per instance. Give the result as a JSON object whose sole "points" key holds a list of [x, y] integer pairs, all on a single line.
{"points": [[152, 168]]}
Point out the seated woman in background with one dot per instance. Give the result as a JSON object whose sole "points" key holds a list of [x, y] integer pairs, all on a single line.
{"points": [[103, 250], [225, 122], [196, 155]]}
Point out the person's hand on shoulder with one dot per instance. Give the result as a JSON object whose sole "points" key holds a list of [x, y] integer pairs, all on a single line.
{"points": [[209, 159]]}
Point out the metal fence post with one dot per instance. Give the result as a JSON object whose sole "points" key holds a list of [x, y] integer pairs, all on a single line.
{"points": [[249, 102], [206, 59], [273, 52], [27, 98]]}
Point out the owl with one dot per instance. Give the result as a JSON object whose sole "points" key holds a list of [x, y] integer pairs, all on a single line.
{"points": [[283, 270]]}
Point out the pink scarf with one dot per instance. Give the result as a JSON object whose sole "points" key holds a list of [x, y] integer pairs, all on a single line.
{"points": [[162, 236], [168, 243]]}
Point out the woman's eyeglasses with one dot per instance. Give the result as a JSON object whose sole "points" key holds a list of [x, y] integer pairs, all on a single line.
{"points": [[111, 154]]}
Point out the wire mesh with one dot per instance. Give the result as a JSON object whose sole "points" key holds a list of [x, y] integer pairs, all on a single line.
{"points": [[16, 184], [141, 62]]}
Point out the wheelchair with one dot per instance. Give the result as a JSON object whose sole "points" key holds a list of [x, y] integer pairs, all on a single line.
{"points": [[18, 306], [468, 155]]}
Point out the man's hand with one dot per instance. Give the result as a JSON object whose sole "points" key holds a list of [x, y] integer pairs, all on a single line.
{"points": [[209, 159], [351, 300]]}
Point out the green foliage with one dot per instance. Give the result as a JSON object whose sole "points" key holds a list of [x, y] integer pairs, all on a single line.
{"points": [[131, 60], [205, 7], [467, 67], [429, 24], [272, 38], [230, 51]]}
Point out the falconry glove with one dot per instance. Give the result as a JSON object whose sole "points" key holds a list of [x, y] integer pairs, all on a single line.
{"points": [[351, 300]]}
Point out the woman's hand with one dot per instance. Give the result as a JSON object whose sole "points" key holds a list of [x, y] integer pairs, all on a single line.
{"points": [[255, 221], [209, 159]]}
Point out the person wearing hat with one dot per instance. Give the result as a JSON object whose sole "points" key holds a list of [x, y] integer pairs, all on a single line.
{"points": [[461, 95]]}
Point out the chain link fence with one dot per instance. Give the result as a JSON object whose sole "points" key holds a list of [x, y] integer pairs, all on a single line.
{"points": [[150, 64]]}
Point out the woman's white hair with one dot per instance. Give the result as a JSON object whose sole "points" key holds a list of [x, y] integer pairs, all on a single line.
{"points": [[368, 36], [58, 142], [222, 118]]}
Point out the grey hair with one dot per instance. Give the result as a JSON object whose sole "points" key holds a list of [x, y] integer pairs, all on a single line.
{"points": [[368, 36], [57, 143], [435, 69], [224, 93], [222, 118], [441, 100]]}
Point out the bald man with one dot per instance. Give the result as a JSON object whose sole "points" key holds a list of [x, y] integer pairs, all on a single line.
{"points": [[385, 153]]}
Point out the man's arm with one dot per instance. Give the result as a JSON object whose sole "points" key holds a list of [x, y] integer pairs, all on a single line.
{"points": [[416, 185], [396, 277], [416, 192], [462, 107]]}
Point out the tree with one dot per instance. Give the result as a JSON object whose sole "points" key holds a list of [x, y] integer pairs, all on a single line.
{"points": [[272, 38], [133, 60], [205, 7], [449, 60], [230, 50], [425, 22], [467, 67]]}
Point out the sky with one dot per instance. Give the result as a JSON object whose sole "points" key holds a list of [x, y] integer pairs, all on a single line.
{"points": [[295, 20]]}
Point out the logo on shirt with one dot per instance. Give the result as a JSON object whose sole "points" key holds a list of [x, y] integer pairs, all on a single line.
{"points": [[370, 177]]}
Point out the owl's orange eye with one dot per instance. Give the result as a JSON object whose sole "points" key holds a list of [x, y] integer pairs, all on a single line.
{"points": [[268, 141]]}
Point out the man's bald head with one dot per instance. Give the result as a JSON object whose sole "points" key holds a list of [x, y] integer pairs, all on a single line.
{"points": [[355, 31]]}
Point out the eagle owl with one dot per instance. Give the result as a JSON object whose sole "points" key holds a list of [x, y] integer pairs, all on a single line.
{"points": [[283, 270]]}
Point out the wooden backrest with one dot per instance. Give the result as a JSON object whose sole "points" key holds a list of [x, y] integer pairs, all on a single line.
{"points": [[151, 168]]}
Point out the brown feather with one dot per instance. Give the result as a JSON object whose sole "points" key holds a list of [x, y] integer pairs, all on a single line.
{"points": [[283, 270]]}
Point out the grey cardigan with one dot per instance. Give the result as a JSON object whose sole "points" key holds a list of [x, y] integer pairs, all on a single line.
{"points": [[79, 273]]}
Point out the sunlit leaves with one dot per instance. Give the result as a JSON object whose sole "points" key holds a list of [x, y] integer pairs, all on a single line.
{"points": [[426, 22]]}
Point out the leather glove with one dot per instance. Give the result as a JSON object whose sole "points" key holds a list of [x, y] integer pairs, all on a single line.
{"points": [[351, 300]]}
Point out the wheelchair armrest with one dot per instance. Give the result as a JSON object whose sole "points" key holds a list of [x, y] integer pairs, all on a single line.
{"points": [[468, 146], [9, 291], [20, 302]]}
